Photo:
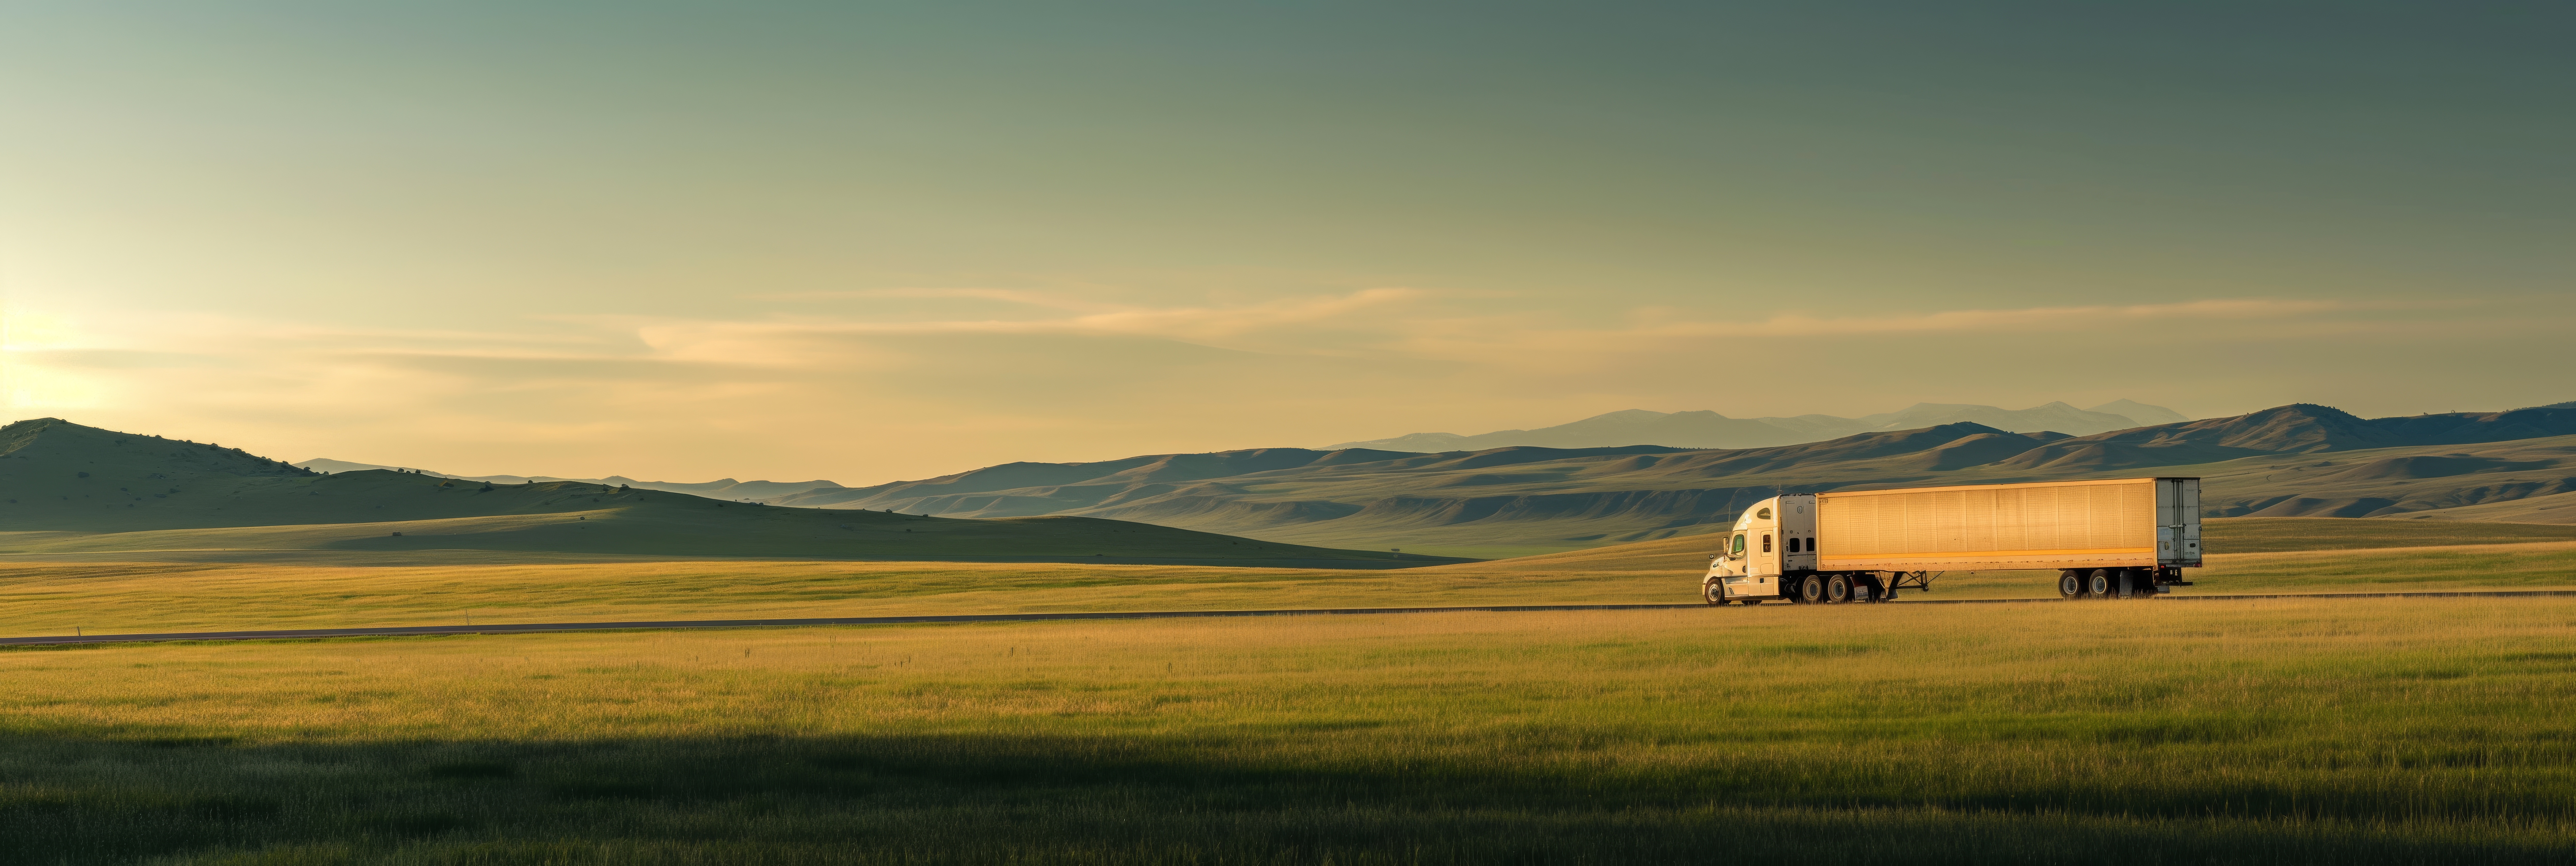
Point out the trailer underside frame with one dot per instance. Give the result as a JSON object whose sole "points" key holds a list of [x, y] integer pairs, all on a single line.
{"points": [[1863, 587]]}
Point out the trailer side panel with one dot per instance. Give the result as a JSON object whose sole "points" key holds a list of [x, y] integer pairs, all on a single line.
{"points": [[2075, 524]]}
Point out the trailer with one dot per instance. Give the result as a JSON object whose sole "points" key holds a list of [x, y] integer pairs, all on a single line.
{"points": [[2114, 538]]}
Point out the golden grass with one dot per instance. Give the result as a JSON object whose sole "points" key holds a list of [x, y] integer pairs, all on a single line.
{"points": [[128, 598], [2278, 534], [105, 598], [2269, 731], [1177, 675], [2538, 565]]}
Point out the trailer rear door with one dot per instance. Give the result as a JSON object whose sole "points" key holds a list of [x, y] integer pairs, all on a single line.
{"points": [[2178, 521]]}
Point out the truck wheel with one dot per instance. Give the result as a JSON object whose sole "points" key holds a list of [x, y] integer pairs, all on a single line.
{"points": [[2070, 583], [1712, 593], [1811, 590], [2099, 585], [1838, 589]]}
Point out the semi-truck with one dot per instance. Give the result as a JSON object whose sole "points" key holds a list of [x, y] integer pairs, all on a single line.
{"points": [[2107, 539]]}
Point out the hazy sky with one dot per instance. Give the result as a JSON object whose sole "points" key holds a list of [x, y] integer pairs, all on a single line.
{"points": [[867, 241]]}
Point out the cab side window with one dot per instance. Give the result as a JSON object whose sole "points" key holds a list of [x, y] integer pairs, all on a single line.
{"points": [[1739, 545], [1766, 543]]}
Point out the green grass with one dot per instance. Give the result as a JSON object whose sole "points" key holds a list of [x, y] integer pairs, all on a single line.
{"points": [[127, 597], [1490, 551], [2277, 534], [2547, 565], [2254, 732], [112, 598]]}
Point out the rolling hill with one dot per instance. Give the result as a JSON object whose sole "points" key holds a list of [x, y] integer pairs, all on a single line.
{"points": [[1705, 429], [1631, 427], [69, 489], [2551, 508], [2289, 461], [722, 488]]}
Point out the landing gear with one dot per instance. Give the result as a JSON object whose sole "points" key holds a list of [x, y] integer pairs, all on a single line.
{"points": [[1898, 580]]}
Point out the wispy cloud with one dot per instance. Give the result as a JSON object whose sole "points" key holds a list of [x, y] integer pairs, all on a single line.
{"points": [[1280, 325], [2029, 319], [1532, 341], [1023, 297]]}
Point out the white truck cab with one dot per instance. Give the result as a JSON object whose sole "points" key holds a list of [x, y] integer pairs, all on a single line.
{"points": [[1775, 539]]}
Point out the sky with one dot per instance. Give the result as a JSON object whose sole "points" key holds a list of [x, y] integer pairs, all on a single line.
{"points": [[877, 241]]}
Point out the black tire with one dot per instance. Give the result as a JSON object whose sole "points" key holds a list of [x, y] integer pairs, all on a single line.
{"points": [[2099, 585], [1838, 589], [2070, 583], [1811, 590], [1713, 594]]}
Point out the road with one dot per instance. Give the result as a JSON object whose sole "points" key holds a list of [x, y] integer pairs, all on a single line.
{"points": [[529, 628]]}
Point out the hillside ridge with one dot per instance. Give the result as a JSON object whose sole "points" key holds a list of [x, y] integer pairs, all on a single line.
{"points": [[68, 488], [2297, 460], [722, 488], [1526, 498], [1707, 429]]}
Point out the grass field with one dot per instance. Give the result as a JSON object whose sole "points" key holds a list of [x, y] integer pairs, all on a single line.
{"points": [[46, 598], [2277, 534], [2417, 731]]}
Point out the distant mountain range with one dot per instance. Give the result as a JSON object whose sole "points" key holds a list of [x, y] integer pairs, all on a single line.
{"points": [[2297, 460], [1705, 429], [1631, 427]]}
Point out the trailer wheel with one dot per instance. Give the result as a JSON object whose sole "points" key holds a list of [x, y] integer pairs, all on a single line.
{"points": [[1838, 589], [2099, 585], [1811, 590], [2070, 583]]}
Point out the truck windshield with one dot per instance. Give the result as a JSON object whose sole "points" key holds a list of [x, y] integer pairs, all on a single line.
{"points": [[1739, 544]]}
